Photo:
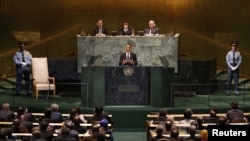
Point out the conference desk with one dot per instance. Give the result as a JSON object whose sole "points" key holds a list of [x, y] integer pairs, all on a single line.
{"points": [[182, 128], [157, 51]]}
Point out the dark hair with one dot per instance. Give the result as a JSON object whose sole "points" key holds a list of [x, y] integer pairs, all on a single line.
{"points": [[44, 124], [65, 131], [162, 113], [47, 112], [174, 133], [188, 113], [234, 105], [98, 109], [20, 110]]}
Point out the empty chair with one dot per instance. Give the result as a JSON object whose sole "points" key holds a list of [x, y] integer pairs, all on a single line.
{"points": [[41, 79]]}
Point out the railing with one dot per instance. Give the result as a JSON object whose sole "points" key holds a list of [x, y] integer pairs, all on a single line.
{"points": [[193, 44], [56, 46], [208, 95]]}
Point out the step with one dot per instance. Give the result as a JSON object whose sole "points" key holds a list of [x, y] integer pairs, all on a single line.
{"points": [[222, 78], [6, 85], [11, 80], [219, 72], [245, 86]]}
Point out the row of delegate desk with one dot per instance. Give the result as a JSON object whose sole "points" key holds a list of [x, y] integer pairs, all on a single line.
{"points": [[6, 125], [182, 132]]}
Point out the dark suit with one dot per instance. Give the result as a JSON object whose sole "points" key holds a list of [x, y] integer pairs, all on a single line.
{"points": [[96, 31], [129, 32], [154, 30], [132, 57], [56, 116], [6, 115], [234, 114]]}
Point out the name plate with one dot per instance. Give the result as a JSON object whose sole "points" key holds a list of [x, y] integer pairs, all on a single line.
{"points": [[128, 88]]}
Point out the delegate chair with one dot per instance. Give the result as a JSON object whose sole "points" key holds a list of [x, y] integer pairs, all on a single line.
{"points": [[41, 79]]}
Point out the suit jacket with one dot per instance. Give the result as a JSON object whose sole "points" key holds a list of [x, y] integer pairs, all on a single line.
{"points": [[7, 115], [56, 116], [129, 32], [96, 30], [132, 56], [154, 30]]}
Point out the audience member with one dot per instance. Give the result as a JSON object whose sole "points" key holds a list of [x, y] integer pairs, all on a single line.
{"points": [[126, 29], [77, 125], [159, 133], [100, 30], [212, 118], [65, 135], [36, 136], [78, 112], [192, 130], [23, 110], [187, 119], [3, 135], [204, 135], [168, 127], [162, 116], [104, 125], [45, 134], [99, 114], [152, 29], [73, 133], [174, 135], [25, 123], [234, 112], [6, 114], [222, 120], [55, 116], [200, 121], [47, 115]]}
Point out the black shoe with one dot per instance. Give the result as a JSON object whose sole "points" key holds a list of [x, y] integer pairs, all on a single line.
{"points": [[17, 94], [28, 94]]}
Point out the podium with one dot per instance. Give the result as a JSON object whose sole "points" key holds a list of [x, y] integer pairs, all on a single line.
{"points": [[121, 86]]}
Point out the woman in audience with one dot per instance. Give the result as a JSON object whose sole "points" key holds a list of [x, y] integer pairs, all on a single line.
{"points": [[204, 135]]}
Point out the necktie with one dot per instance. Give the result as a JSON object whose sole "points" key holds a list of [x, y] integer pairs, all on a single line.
{"points": [[150, 32], [234, 61], [23, 56]]}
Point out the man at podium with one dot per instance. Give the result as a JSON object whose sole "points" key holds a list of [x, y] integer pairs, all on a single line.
{"points": [[128, 58]]}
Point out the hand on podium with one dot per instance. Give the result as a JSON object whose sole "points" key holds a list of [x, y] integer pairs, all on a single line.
{"points": [[130, 61]]}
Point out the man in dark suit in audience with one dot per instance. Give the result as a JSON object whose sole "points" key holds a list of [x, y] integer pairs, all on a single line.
{"points": [[65, 135], [48, 136], [24, 122], [6, 114], [234, 112], [100, 30], [99, 114], [128, 58]]}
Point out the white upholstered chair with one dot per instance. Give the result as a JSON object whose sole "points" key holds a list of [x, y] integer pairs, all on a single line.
{"points": [[41, 79]]}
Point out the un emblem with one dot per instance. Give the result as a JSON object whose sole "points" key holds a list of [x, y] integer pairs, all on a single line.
{"points": [[128, 71]]}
